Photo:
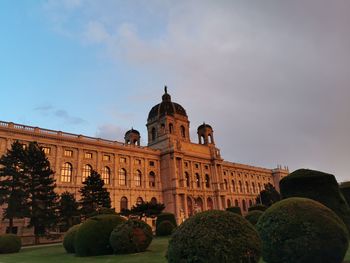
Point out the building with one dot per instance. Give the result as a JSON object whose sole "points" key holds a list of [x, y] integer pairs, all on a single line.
{"points": [[187, 177]]}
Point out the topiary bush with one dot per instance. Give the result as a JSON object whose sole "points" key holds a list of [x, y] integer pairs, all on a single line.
{"points": [[69, 237], [319, 186], [302, 230], [131, 236], [234, 209], [215, 236], [258, 207], [10, 243], [345, 189], [165, 228], [166, 217], [253, 216], [92, 237]]}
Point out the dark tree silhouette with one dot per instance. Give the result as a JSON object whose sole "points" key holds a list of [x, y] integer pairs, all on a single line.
{"points": [[268, 196], [144, 209], [69, 214]]}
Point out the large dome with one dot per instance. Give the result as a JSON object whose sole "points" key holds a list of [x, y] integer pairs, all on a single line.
{"points": [[166, 107]]}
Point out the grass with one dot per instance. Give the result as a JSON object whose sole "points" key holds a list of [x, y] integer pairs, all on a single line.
{"points": [[57, 254]]}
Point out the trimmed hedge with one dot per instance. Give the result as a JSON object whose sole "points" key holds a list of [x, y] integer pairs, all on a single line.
{"points": [[131, 236], [214, 236], [165, 228], [166, 217], [345, 189], [253, 216], [69, 237], [319, 186], [10, 243], [92, 237], [302, 230], [258, 207], [234, 209]]}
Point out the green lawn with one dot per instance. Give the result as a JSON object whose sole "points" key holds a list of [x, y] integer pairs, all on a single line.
{"points": [[57, 254]]}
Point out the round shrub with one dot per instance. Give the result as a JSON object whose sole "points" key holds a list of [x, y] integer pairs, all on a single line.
{"points": [[69, 237], [10, 243], [302, 230], [166, 217], [92, 237], [165, 228], [319, 186], [215, 236], [258, 207], [253, 216], [234, 209], [345, 189], [131, 236]]}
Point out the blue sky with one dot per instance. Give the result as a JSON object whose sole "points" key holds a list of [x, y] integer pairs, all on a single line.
{"points": [[271, 77]]}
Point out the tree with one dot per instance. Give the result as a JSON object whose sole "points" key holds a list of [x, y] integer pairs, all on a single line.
{"points": [[13, 184], [94, 195], [42, 197], [268, 196], [68, 210], [144, 209]]}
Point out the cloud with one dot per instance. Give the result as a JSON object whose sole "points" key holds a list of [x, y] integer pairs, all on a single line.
{"points": [[50, 111], [110, 132], [271, 77]]}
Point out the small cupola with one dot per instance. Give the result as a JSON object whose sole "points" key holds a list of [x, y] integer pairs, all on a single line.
{"points": [[205, 134], [132, 137]]}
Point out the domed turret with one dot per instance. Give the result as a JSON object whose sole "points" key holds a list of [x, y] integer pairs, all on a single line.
{"points": [[132, 137], [205, 134], [167, 119]]}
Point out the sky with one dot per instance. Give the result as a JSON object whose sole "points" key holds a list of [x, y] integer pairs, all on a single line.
{"points": [[271, 77]]}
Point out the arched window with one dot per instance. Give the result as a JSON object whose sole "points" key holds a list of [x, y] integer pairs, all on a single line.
{"points": [[199, 204], [228, 203], [187, 178], [153, 134], [202, 139], [123, 203], [244, 205], [236, 203], [152, 179], [198, 181], [138, 178], [122, 176], [183, 132], [233, 186], [171, 128], [139, 200], [189, 206], [225, 184], [210, 204], [253, 187], [87, 169], [154, 200], [247, 187], [250, 203], [207, 181], [240, 187], [210, 138], [66, 173], [106, 175], [259, 187]]}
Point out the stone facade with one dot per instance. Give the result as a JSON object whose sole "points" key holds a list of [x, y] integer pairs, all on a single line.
{"points": [[187, 177]]}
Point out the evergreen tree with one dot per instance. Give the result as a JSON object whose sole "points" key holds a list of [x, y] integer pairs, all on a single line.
{"points": [[144, 209], [13, 184], [68, 211], [94, 195], [268, 196], [42, 197]]}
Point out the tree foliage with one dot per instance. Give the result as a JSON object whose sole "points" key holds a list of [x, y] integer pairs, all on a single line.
{"points": [[42, 200], [268, 196], [94, 195], [144, 209], [68, 210], [13, 184]]}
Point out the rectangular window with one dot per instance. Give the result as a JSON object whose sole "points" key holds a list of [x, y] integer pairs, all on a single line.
{"points": [[68, 153], [46, 150], [151, 163], [186, 164], [88, 155], [138, 161], [206, 167], [196, 165], [106, 157], [122, 159]]}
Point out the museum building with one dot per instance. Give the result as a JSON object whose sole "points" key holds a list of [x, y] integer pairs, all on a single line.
{"points": [[187, 177]]}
